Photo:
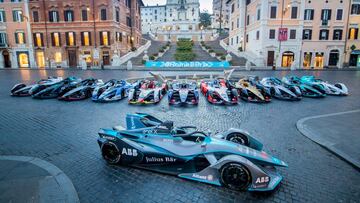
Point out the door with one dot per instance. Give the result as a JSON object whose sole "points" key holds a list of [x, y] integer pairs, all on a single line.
{"points": [[333, 58], [287, 59], [270, 58], [106, 58], [7, 61], [72, 58]]}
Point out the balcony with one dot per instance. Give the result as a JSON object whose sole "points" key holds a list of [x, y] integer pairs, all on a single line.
{"points": [[325, 23]]}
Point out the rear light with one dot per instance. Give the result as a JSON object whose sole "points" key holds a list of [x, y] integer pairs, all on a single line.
{"points": [[249, 98], [193, 101], [214, 100], [172, 101]]}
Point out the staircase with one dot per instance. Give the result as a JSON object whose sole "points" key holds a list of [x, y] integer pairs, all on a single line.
{"points": [[215, 45], [202, 55], [154, 48]]}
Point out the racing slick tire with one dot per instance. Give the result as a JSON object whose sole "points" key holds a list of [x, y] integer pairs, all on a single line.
{"points": [[238, 138], [110, 153], [235, 176]]}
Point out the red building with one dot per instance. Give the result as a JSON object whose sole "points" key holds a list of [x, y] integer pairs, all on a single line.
{"points": [[67, 33]]}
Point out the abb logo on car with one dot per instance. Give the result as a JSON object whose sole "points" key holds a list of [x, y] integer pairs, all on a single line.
{"points": [[129, 152], [262, 179]]}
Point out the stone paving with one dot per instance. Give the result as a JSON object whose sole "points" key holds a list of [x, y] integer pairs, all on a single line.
{"points": [[64, 134]]}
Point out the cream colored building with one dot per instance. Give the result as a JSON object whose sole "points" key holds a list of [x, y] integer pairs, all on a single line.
{"points": [[353, 37], [324, 33], [271, 30]]}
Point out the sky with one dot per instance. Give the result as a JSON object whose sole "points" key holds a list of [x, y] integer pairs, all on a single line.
{"points": [[204, 4]]}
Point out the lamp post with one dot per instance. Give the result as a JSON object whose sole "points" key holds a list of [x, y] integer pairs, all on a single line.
{"points": [[150, 26], [201, 32], [282, 20], [169, 29]]}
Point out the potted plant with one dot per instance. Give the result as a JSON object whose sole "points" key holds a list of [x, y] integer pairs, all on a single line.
{"points": [[240, 49]]}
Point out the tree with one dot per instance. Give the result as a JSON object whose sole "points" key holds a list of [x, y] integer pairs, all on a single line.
{"points": [[205, 19]]}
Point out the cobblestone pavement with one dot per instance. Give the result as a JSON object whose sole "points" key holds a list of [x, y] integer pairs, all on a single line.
{"points": [[64, 134]]}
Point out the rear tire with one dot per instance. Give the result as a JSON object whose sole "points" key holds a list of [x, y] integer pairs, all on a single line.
{"points": [[235, 176], [238, 138], [110, 153]]}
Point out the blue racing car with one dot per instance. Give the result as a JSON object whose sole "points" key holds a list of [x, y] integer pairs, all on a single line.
{"points": [[232, 159], [113, 90]]}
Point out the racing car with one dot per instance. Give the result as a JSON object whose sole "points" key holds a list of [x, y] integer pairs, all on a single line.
{"points": [[79, 91], [306, 90], [147, 92], [190, 154], [251, 93], [338, 89], [113, 90], [279, 90], [183, 92], [219, 91], [23, 90], [50, 91]]}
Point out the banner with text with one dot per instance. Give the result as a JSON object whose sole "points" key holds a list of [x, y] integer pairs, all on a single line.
{"points": [[186, 64]]}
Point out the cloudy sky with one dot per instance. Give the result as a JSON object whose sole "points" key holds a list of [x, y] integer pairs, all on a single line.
{"points": [[204, 4]]}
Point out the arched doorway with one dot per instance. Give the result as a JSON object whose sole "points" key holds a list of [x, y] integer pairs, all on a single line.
{"points": [[319, 60], [287, 59], [334, 57], [7, 61]]}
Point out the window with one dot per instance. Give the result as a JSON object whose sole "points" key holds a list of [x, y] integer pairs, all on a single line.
{"points": [[272, 34], [247, 38], [3, 39], [309, 14], [105, 38], [85, 39], [324, 34], [337, 35], [353, 33], [117, 15], [237, 23], [2, 16], [55, 39], [307, 34], [292, 34], [54, 16], [84, 15], [58, 57], [258, 14], [69, 15], [128, 21], [257, 35], [339, 14], [119, 37], [70, 39], [103, 15], [294, 12], [326, 14], [17, 16], [233, 8], [355, 9], [247, 19], [273, 12], [35, 15], [20, 38], [38, 39]]}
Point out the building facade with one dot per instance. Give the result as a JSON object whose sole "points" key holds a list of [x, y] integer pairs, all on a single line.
{"points": [[69, 33], [221, 12], [15, 35], [176, 19], [352, 52], [285, 33]]}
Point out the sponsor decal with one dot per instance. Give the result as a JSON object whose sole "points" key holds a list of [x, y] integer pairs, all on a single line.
{"points": [[160, 159], [150, 131], [265, 179], [208, 177], [129, 152], [132, 123], [108, 137]]}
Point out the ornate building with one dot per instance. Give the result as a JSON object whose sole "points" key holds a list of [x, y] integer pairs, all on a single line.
{"points": [[177, 19]]}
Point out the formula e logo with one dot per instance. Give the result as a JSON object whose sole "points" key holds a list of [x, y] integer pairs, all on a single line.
{"points": [[129, 152], [262, 179]]}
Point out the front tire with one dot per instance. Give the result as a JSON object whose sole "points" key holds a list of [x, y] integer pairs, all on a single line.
{"points": [[110, 153], [238, 138], [235, 176]]}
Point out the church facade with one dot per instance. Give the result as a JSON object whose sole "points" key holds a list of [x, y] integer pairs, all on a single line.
{"points": [[176, 19]]}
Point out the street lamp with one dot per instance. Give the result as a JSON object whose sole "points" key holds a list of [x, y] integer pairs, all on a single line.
{"points": [[201, 31], [169, 29], [150, 26]]}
